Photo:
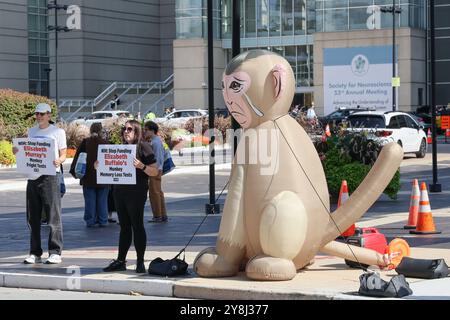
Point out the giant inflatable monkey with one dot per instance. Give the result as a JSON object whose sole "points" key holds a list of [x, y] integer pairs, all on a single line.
{"points": [[276, 222]]}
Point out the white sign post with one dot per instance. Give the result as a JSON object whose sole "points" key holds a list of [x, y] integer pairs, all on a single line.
{"points": [[359, 76], [116, 164], [35, 156]]}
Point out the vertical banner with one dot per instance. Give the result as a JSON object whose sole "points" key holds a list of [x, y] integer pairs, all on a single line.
{"points": [[35, 156], [115, 164], [358, 76]]}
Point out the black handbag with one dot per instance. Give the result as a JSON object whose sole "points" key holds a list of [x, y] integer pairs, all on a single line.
{"points": [[372, 285], [170, 267], [423, 268]]}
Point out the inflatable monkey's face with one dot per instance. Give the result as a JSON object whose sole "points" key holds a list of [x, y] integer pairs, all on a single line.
{"points": [[257, 86], [235, 87]]}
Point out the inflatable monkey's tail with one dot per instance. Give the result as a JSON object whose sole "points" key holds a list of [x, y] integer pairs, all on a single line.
{"points": [[367, 193]]}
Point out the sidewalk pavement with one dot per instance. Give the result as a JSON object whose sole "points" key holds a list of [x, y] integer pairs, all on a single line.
{"points": [[327, 279], [87, 251]]}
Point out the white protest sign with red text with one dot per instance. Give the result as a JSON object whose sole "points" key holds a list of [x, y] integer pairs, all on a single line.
{"points": [[115, 164], [35, 156]]}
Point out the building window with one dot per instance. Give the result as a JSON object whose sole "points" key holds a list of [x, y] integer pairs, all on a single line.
{"points": [[192, 21], [38, 53], [342, 15], [249, 18], [299, 57]]}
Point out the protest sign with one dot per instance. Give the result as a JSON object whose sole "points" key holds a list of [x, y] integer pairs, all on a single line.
{"points": [[115, 164], [35, 156]]}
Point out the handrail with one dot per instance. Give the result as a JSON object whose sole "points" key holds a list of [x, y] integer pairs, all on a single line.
{"points": [[131, 105], [120, 96], [155, 104], [82, 103], [88, 103], [105, 93], [168, 81], [162, 85]]}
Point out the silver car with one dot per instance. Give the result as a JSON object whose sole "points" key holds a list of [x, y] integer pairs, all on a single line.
{"points": [[101, 116]]}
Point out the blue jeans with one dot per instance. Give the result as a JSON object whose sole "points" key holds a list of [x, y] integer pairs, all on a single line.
{"points": [[95, 205]]}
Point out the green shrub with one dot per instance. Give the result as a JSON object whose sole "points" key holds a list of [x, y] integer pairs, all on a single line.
{"points": [[3, 132], [17, 112], [6, 155], [350, 157]]}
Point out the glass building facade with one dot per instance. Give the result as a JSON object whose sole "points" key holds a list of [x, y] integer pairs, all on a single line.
{"points": [[345, 15], [288, 26], [38, 47], [191, 19]]}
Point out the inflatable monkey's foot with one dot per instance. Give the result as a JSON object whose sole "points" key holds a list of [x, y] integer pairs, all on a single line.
{"points": [[209, 264], [270, 268]]}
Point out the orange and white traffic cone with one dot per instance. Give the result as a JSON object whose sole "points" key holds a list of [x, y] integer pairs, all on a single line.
{"points": [[343, 196], [425, 223], [429, 140], [447, 132], [413, 206], [327, 131]]}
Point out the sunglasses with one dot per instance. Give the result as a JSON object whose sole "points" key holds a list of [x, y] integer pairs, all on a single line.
{"points": [[40, 114], [128, 129]]}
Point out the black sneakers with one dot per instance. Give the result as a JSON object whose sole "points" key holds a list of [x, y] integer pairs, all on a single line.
{"points": [[116, 265], [140, 267]]}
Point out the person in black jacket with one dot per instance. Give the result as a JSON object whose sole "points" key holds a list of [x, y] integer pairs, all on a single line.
{"points": [[95, 195], [130, 200]]}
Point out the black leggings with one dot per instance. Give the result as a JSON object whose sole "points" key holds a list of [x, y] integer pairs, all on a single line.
{"points": [[130, 203]]}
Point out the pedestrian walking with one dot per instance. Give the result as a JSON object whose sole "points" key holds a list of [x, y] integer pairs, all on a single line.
{"points": [[43, 193], [95, 195], [155, 193], [130, 200]]}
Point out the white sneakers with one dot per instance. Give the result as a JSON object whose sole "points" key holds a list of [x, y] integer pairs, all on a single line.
{"points": [[32, 259], [53, 259]]}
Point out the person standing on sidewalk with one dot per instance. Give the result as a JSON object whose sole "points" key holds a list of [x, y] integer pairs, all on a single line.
{"points": [[43, 193], [130, 200], [155, 193], [95, 195]]}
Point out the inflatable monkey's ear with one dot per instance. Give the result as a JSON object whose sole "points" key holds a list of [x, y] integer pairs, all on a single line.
{"points": [[279, 79]]}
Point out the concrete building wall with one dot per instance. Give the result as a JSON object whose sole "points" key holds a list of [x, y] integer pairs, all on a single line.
{"points": [[119, 41], [13, 45], [411, 60], [167, 35], [191, 73]]}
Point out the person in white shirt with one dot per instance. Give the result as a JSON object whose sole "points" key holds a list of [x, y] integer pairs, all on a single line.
{"points": [[43, 191]]}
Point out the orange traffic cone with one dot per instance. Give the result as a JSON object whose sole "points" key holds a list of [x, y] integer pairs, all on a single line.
{"points": [[327, 131], [447, 132], [425, 223], [343, 196], [413, 206], [429, 141]]}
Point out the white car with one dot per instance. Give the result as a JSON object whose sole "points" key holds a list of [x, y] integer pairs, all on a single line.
{"points": [[101, 116], [386, 127], [180, 117]]}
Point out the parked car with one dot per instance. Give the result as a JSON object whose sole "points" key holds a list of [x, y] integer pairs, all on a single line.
{"points": [[101, 116], [338, 117], [386, 127], [222, 112], [423, 120], [180, 117]]}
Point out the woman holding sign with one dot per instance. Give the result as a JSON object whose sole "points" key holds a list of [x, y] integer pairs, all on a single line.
{"points": [[130, 200]]}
